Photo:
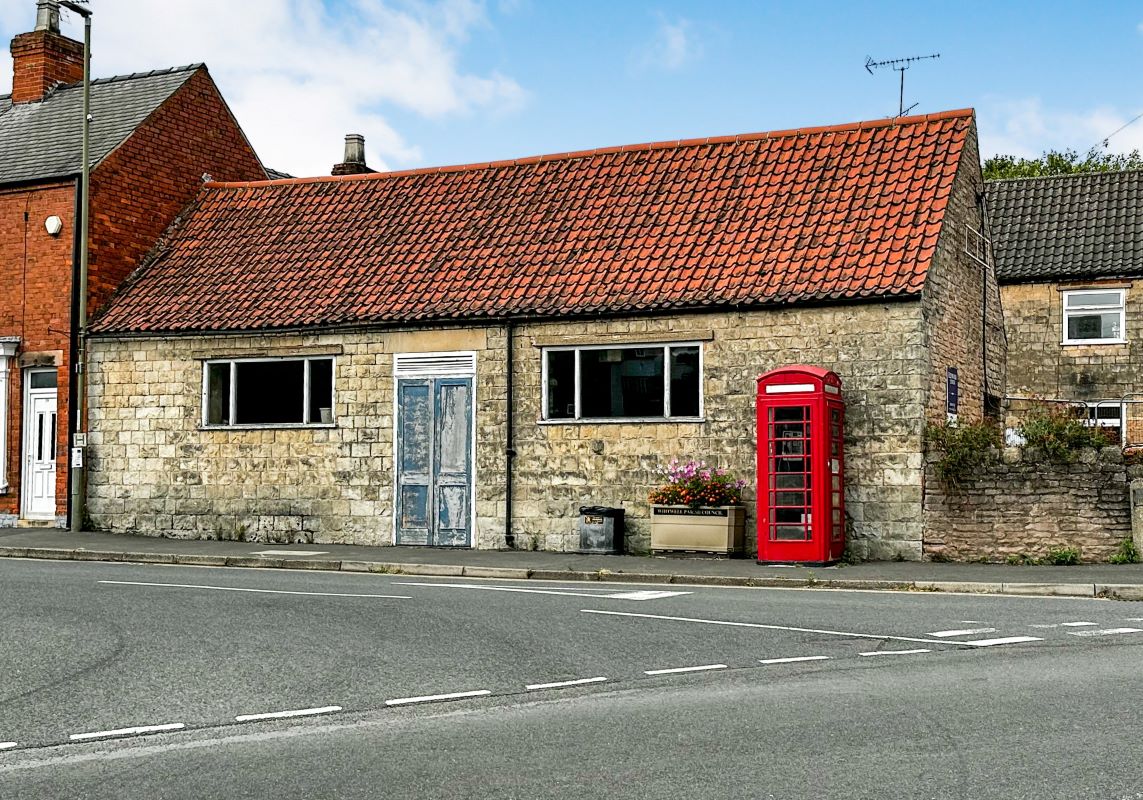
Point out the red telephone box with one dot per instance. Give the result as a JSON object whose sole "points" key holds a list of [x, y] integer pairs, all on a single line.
{"points": [[801, 484]]}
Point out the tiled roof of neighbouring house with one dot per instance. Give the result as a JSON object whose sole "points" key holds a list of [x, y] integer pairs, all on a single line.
{"points": [[44, 139], [1067, 226], [820, 214]]}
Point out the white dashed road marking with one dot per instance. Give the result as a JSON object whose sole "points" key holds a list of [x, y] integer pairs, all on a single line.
{"points": [[561, 684], [847, 634], [683, 669], [258, 591], [1003, 640], [7, 745], [1065, 625], [894, 652], [429, 698], [173, 726], [962, 632], [1105, 632], [792, 660], [301, 712]]}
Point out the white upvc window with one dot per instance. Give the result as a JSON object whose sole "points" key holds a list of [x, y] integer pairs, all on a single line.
{"points": [[267, 392], [7, 351], [628, 382], [1094, 316], [1108, 414]]}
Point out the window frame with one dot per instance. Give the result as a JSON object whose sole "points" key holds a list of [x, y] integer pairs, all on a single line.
{"points": [[1065, 294], [205, 424], [664, 346]]}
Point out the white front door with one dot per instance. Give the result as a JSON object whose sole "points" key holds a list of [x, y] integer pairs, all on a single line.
{"points": [[39, 473]]}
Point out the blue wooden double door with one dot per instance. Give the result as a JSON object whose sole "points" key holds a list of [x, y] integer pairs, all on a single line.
{"points": [[434, 461]]}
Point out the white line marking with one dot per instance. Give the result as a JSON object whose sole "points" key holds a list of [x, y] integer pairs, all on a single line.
{"points": [[613, 595], [7, 745], [894, 652], [258, 591], [290, 552], [173, 726], [962, 632], [301, 712], [972, 621], [683, 669], [792, 659], [1005, 640], [428, 698], [1105, 632], [847, 634], [531, 687], [1077, 624], [1134, 619]]}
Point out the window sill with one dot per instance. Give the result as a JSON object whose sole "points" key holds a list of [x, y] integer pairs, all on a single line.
{"points": [[270, 426], [1091, 342], [619, 420]]}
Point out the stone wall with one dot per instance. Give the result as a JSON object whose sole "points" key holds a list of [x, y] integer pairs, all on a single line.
{"points": [[154, 469], [1022, 503], [1043, 367], [964, 321]]}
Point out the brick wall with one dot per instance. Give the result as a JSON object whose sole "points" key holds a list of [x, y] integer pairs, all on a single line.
{"points": [[35, 298], [154, 471], [141, 186], [958, 287], [1020, 503]]}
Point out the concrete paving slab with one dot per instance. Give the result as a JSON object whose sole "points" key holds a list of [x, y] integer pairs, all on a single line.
{"points": [[1051, 589]]}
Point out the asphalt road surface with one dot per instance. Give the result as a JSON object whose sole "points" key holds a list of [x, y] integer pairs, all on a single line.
{"points": [[131, 681]]}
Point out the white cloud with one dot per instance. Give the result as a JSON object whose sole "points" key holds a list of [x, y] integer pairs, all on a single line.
{"points": [[1027, 128], [673, 45], [299, 75]]}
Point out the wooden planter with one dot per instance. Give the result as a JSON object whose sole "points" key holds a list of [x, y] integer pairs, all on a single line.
{"points": [[681, 529]]}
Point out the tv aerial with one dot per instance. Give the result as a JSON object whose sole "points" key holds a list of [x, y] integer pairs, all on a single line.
{"points": [[900, 65]]}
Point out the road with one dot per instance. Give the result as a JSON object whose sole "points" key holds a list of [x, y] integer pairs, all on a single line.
{"points": [[139, 681]]}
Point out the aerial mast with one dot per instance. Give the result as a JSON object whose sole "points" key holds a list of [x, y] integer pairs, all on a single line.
{"points": [[900, 65]]}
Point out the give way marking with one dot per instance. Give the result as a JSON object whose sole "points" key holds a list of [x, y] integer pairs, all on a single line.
{"points": [[610, 594]]}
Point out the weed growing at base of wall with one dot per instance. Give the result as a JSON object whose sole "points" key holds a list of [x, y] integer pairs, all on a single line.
{"points": [[1127, 553], [963, 448]]}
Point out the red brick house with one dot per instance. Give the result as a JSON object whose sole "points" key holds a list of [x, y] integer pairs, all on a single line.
{"points": [[465, 355], [155, 136]]}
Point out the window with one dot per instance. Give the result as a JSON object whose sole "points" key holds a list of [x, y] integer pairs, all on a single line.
{"points": [[1107, 415], [275, 391], [1094, 316], [623, 382]]}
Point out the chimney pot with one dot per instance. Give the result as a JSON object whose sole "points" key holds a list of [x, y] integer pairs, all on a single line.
{"points": [[354, 161], [48, 15], [354, 148]]}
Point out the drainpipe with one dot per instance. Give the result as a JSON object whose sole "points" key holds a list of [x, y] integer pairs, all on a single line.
{"points": [[77, 475], [509, 447]]}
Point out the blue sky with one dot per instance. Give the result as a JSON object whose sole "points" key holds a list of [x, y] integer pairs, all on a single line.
{"points": [[461, 81]]}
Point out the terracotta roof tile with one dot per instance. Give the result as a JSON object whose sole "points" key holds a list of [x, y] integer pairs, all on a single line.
{"points": [[848, 211]]}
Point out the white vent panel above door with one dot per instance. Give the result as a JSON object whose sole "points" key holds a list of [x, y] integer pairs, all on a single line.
{"points": [[420, 365]]}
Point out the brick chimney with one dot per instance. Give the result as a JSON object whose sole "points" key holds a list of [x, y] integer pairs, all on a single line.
{"points": [[354, 162], [44, 57]]}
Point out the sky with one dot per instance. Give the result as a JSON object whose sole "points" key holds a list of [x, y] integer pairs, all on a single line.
{"points": [[464, 81]]}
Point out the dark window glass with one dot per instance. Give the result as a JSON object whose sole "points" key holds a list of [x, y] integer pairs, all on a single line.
{"points": [[321, 390], [622, 382], [561, 384], [218, 394], [268, 392], [684, 381], [43, 380]]}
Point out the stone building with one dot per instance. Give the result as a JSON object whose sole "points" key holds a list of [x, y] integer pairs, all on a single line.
{"points": [[1068, 251], [153, 135], [465, 355]]}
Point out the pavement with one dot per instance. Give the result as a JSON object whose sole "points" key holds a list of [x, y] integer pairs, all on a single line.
{"points": [[1113, 581]]}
